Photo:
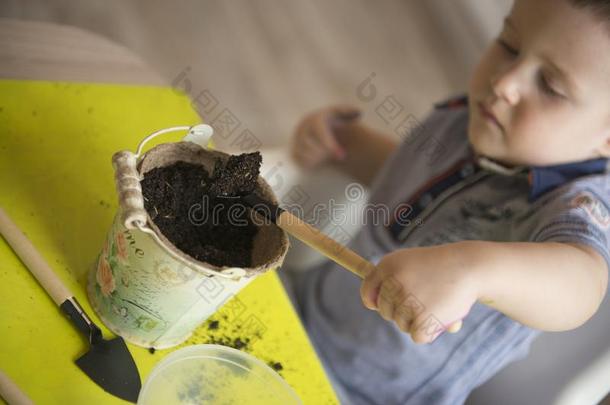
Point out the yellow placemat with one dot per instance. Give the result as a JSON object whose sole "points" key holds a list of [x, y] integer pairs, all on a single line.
{"points": [[56, 183]]}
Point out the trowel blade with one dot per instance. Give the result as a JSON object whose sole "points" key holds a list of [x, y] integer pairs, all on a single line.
{"points": [[110, 365]]}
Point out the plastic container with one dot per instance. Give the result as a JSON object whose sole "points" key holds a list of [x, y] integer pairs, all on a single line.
{"points": [[143, 287], [214, 374]]}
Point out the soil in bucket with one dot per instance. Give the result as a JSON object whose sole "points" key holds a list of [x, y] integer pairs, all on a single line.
{"points": [[183, 201]]}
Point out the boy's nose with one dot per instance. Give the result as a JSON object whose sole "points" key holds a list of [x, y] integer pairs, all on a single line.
{"points": [[505, 85]]}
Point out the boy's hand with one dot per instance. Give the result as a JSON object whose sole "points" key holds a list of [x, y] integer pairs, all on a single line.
{"points": [[423, 290], [315, 141]]}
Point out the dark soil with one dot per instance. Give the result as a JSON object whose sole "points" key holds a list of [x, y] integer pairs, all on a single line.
{"points": [[227, 329], [187, 205], [238, 176]]}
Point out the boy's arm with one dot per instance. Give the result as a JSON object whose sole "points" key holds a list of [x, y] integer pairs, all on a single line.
{"points": [[366, 151], [545, 285], [549, 286]]}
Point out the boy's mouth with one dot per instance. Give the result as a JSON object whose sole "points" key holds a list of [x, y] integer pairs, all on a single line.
{"points": [[486, 113]]}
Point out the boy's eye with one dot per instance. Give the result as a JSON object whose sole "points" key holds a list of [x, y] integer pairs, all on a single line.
{"points": [[543, 83], [507, 47], [546, 87]]}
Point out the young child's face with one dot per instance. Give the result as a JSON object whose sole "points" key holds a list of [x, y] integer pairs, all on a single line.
{"points": [[546, 79]]}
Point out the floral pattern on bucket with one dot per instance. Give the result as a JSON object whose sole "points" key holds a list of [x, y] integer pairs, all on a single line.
{"points": [[145, 296], [112, 254], [104, 277]]}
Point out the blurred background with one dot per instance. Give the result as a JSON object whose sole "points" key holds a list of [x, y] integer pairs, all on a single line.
{"points": [[268, 62], [271, 61]]}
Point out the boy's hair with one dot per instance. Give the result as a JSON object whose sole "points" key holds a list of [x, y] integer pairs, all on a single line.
{"points": [[600, 8]]}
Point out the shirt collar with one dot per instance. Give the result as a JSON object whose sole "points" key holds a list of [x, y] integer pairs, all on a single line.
{"points": [[542, 179]]}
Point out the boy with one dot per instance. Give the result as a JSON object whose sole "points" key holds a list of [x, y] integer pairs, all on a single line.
{"points": [[509, 231]]}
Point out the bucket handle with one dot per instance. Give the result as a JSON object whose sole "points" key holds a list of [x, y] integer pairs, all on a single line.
{"points": [[199, 134], [131, 201]]}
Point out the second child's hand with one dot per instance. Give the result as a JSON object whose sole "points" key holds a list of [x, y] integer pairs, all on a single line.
{"points": [[336, 135], [316, 142]]}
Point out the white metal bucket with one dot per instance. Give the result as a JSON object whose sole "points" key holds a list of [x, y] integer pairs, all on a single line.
{"points": [[145, 289]]}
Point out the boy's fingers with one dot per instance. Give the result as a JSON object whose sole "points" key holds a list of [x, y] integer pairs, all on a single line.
{"points": [[297, 142], [426, 328], [369, 290], [404, 323], [300, 130], [303, 160], [307, 150], [385, 302], [454, 327], [307, 159], [324, 135], [393, 300], [347, 112], [311, 142], [404, 313]]}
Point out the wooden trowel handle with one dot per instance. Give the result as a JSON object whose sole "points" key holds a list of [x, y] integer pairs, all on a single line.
{"points": [[33, 260], [11, 392], [330, 248], [314, 238]]}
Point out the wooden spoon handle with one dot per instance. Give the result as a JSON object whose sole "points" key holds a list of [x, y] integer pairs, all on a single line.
{"points": [[33, 260]]}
